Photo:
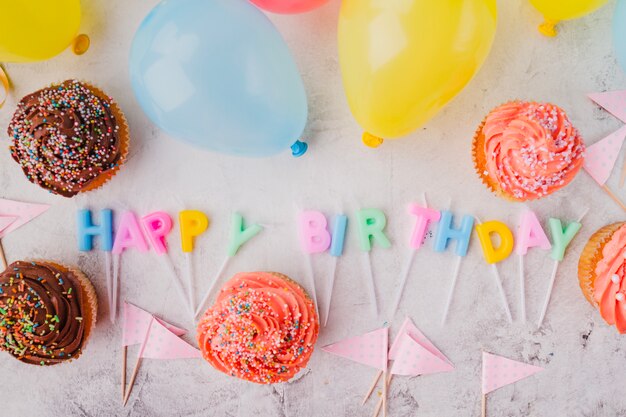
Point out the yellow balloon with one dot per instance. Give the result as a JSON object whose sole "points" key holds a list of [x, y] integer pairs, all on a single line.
{"points": [[35, 30], [556, 10], [403, 60]]}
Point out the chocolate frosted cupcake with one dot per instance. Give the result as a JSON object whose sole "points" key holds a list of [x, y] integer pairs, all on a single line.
{"points": [[68, 138], [525, 151], [47, 312]]}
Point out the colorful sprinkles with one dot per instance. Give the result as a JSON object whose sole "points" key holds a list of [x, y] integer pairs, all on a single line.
{"points": [[39, 317], [261, 329], [532, 149], [64, 137]]}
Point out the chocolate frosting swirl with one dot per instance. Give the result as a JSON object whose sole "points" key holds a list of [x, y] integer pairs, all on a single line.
{"points": [[262, 328], [41, 310], [64, 137]]}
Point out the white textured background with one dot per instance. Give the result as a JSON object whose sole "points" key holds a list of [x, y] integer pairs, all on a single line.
{"points": [[584, 358]]}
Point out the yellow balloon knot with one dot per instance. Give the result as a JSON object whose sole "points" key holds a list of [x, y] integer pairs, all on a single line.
{"points": [[371, 140], [548, 28], [81, 44]]}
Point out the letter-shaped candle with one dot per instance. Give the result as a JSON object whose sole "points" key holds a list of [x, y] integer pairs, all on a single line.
{"points": [[562, 237], [339, 235], [485, 230], [87, 230], [372, 224], [424, 216], [192, 224], [314, 235], [530, 234], [446, 232], [157, 226], [241, 234], [129, 235]]}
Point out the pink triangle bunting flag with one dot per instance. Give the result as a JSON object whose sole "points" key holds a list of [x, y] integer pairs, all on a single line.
{"points": [[23, 212], [414, 359], [612, 101], [408, 327], [6, 221], [136, 323], [369, 349], [601, 156], [499, 371], [163, 344]]}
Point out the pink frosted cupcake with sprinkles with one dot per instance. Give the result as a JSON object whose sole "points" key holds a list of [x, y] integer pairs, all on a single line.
{"points": [[262, 328], [525, 151], [69, 138]]}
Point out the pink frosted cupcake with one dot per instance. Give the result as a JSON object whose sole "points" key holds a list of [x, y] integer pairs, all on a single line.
{"points": [[262, 328], [525, 150], [602, 273]]}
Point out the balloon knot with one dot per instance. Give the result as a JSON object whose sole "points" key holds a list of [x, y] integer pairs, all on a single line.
{"points": [[299, 148], [371, 140], [548, 28], [81, 43]]}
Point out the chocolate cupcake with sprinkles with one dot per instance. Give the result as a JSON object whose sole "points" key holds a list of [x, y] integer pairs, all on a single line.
{"points": [[69, 138], [47, 312]]}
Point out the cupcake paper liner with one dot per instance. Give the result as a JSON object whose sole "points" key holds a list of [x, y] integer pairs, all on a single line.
{"points": [[591, 255], [124, 134], [480, 162]]}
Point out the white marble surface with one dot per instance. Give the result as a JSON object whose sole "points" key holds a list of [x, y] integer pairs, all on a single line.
{"points": [[584, 358]]}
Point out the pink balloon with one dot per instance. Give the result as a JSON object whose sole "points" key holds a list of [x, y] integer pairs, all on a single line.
{"points": [[289, 6]]}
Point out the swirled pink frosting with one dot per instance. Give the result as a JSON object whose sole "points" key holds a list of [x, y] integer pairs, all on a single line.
{"points": [[531, 149], [610, 286], [262, 328]]}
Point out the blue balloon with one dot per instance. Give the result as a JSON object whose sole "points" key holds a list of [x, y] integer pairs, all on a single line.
{"points": [[218, 74], [619, 33]]}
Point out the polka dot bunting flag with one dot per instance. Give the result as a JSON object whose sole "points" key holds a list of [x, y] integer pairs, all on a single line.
{"points": [[414, 359], [369, 349], [601, 156], [409, 328], [612, 101], [136, 324], [499, 371], [163, 344]]}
